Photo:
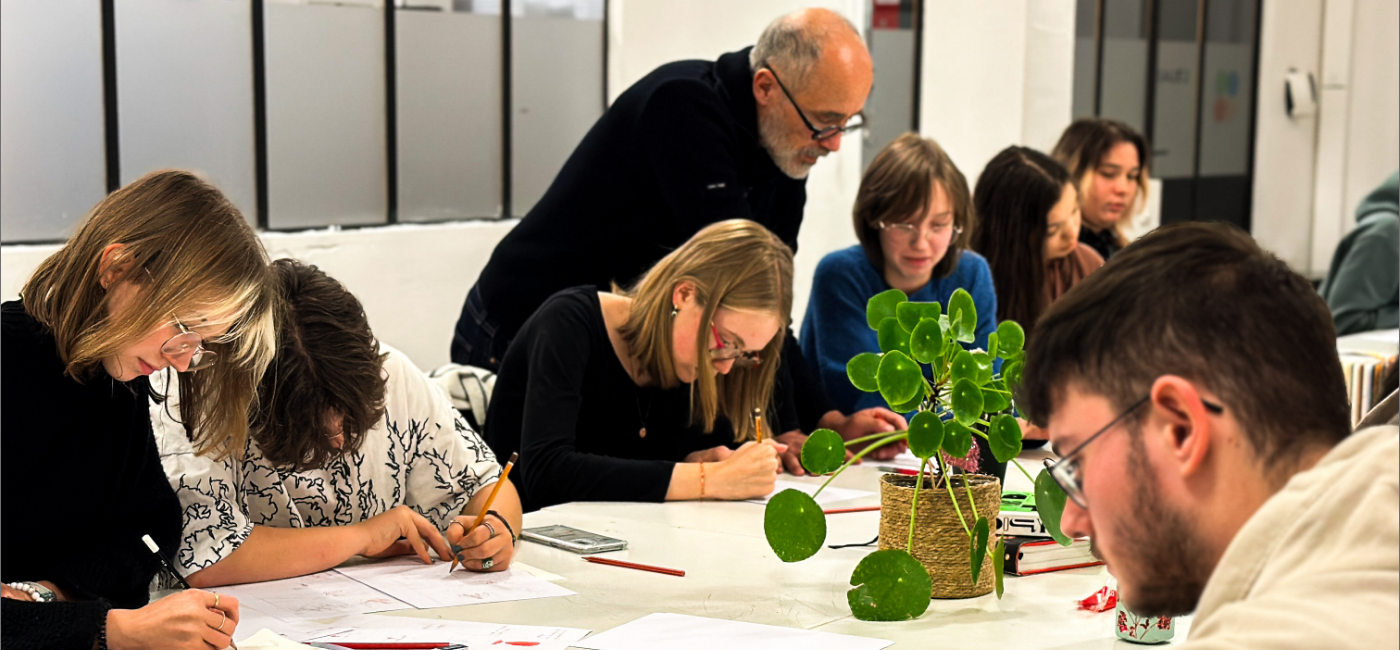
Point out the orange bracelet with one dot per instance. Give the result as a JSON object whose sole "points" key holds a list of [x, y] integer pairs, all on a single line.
{"points": [[702, 480]]}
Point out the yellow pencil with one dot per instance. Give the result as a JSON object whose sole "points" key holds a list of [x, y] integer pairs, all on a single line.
{"points": [[758, 424], [489, 500]]}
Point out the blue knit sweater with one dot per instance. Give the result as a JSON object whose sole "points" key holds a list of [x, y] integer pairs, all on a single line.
{"points": [[834, 328]]}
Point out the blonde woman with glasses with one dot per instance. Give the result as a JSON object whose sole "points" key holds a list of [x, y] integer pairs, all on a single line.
{"points": [[163, 275], [648, 394], [914, 218]]}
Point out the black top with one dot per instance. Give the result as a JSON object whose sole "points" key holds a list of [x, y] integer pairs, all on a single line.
{"points": [[82, 482], [1104, 242], [565, 402], [676, 152]]}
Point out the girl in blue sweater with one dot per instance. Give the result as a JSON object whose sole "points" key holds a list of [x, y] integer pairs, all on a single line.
{"points": [[914, 218]]}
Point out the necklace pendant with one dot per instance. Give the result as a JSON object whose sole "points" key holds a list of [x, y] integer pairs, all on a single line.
{"points": [[642, 433]]}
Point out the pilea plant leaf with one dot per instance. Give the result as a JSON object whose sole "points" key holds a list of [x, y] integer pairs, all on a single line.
{"points": [[993, 344], [1050, 503], [892, 337], [925, 434], [1004, 436], [992, 400], [861, 370], [967, 401], [964, 366], [882, 305], [900, 378], [823, 452], [957, 439], [911, 313], [978, 547], [926, 341], [1011, 374], [909, 406], [1011, 337], [999, 564], [794, 525], [962, 306], [984, 367], [890, 585]]}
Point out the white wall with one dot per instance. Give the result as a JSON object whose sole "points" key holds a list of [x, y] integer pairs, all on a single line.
{"points": [[996, 74]]}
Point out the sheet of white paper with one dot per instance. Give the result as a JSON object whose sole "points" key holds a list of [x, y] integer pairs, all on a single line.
{"points": [[403, 629], [320, 595], [251, 621], [430, 585], [829, 495], [268, 640], [683, 632], [537, 572]]}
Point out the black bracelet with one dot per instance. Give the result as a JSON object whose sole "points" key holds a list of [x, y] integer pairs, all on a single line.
{"points": [[513, 538]]}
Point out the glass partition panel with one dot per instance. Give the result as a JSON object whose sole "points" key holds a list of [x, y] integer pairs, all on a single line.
{"points": [[185, 92], [53, 165], [556, 89], [448, 73], [1123, 88], [890, 109], [326, 108]]}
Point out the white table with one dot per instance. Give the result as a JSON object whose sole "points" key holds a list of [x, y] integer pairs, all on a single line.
{"points": [[731, 573]]}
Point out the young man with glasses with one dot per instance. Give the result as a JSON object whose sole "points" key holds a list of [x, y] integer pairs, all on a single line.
{"points": [[1193, 390], [690, 144]]}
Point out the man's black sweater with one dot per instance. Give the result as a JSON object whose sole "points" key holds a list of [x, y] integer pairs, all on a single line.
{"points": [[677, 151], [82, 482]]}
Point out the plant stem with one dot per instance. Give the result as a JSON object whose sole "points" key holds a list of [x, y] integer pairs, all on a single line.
{"points": [[967, 485], [914, 509], [873, 446], [1023, 470], [874, 436], [948, 483]]}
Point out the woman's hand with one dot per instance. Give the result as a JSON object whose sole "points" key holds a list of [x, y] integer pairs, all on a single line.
{"points": [[711, 455], [401, 531], [6, 591], [868, 422], [189, 620], [751, 471], [482, 544], [792, 458]]}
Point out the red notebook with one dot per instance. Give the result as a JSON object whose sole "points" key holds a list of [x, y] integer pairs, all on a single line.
{"points": [[1030, 555]]}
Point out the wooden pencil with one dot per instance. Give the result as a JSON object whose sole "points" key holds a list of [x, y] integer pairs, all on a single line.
{"points": [[480, 517]]}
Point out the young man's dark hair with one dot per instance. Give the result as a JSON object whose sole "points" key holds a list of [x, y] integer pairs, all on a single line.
{"points": [[1204, 302], [328, 367]]}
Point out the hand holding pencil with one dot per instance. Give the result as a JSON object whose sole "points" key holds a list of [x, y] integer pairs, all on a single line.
{"points": [[479, 543]]}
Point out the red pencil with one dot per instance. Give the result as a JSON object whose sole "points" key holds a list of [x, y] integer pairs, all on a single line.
{"points": [[407, 645], [838, 511], [633, 565]]}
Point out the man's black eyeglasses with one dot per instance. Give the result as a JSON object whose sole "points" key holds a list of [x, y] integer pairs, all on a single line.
{"points": [[1065, 471], [817, 134]]}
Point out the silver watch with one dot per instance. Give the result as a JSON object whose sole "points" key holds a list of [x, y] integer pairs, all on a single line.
{"points": [[41, 593]]}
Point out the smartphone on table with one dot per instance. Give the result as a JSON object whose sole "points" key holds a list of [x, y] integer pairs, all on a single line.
{"points": [[573, 539]]}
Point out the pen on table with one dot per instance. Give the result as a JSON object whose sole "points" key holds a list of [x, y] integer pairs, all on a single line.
{"points": [[633, 565], [486, 508], [758, 424], [837, 511], [165, 564], [902, 471], [392, 645]]}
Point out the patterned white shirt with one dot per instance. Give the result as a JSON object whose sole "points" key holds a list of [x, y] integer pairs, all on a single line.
{"points": [[421, 454]]}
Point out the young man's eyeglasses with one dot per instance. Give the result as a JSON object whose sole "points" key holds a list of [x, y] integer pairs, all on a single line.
{"points": [[725, 352], [1065, 471], [817, 134], [910, 230], [190, 343]]}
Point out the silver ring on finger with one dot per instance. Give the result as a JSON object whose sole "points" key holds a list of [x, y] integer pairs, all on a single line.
{"points": [[221, 622], [487, 563], [489, 527]]}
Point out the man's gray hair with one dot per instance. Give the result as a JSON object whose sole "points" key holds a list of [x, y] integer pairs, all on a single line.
{"points": [[793, 46]]}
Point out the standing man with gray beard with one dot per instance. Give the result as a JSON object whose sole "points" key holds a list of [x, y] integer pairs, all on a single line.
{"points": [[692, 143]]}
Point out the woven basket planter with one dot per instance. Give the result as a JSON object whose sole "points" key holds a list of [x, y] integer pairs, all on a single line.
{"points": [[940, 542]]}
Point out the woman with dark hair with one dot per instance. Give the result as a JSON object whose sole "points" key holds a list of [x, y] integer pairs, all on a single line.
{"points": [[353, 451], [913, 217], [1107, 161], [1029, 233], [164, 274]]}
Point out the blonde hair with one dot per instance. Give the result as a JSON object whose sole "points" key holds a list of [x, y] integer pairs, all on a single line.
{"points": [[735, 264], [1083, 146], [186, 247]]}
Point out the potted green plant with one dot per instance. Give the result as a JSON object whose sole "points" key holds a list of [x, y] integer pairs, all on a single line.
{"points": [[959, 398]]}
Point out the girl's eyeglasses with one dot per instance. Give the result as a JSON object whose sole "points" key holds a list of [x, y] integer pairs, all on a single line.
{"points": [[190, 343], [726, 352]]}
